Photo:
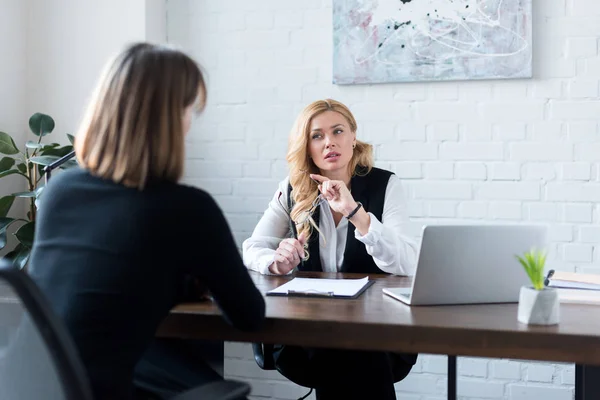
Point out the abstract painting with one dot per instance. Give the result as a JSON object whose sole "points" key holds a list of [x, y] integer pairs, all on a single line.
{"points": [[379, 41]]}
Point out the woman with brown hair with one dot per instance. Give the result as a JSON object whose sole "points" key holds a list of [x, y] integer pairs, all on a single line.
{"points": [[117, 241], [335, 213]]}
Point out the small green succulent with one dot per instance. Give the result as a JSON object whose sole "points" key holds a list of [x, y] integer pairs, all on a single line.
{"points": [[534, 261]]}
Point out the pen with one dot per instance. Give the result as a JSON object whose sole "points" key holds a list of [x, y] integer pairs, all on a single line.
{"points": [[310, 292]]}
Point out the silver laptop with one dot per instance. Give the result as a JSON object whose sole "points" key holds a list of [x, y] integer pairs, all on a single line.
{"points": [[470, 264]]}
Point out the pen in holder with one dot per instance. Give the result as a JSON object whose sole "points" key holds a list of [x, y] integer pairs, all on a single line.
{"points": [[309, 292]]}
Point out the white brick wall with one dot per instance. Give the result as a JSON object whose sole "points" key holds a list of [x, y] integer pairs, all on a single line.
{"points": [[506, 151]]}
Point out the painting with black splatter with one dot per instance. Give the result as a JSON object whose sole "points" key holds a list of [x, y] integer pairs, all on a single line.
{"points": [[378, 41]]}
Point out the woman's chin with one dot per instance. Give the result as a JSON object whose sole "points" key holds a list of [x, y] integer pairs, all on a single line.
{"points": [[332, 167]]}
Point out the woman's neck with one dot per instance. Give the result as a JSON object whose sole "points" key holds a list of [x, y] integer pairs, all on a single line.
{"points": [[339, 175]]}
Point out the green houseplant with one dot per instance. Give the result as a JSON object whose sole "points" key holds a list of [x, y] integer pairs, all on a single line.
{"points": [[538, 304], [29, 164], [534, 262]]}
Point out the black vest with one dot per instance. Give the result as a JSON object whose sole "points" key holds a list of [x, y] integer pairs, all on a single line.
{"points": [[295, 362], [370, 191]]}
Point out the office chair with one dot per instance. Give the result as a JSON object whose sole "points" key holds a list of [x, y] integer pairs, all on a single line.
{"points": [[294, 366], [38, 359]]}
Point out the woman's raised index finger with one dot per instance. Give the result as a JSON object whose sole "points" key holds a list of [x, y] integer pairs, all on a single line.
{"points": [[318, 178]]}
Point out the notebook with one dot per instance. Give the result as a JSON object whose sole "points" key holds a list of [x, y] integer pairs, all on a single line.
{"points": [[315, 287], [572, 280]]}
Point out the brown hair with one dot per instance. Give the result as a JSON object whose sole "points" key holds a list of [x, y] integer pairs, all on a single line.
{"points": [[301, 165], [132, 131]]}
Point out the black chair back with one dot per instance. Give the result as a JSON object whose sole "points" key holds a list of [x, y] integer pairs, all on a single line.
{"points": [[38, 359]]}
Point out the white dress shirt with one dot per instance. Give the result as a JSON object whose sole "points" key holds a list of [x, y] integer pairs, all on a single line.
{"points": [[392, 251]]}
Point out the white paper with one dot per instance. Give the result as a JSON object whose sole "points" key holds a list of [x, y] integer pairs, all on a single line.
{"points": [[325, 287]]}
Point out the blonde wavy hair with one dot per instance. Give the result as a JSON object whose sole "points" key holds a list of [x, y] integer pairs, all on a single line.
{"points": [[305, 190], [132, 131]]}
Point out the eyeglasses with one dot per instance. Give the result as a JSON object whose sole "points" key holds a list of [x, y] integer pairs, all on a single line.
{"points": [[307, 214]]}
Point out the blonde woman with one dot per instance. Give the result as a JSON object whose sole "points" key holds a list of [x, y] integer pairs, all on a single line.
{"points": [[117, 240], [335, 213]]}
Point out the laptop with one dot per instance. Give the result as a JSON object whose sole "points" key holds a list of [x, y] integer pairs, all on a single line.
{"points": [[470, 264]]}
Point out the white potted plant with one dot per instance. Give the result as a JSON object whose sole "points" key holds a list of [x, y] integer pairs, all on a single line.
{"points": [[538, 304]]}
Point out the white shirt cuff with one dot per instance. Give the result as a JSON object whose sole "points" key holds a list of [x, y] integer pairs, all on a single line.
{"points": [[373, 235], [265, 263]]}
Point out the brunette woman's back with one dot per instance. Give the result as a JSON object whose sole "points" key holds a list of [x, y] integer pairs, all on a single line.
{"points": [[114, 260]]}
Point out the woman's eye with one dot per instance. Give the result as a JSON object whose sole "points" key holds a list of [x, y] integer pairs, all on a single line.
{"points": [[316, 136], [338, 131]]}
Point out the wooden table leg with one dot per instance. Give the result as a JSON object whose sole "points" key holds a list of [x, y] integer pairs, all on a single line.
{"points": [[587, 382], [451, 377]]}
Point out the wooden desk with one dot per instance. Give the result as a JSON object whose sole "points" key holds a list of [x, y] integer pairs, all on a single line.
{"points": [[377, 322]]}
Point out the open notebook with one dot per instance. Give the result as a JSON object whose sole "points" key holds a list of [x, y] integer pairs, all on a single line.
{"points": [[342, 288]]}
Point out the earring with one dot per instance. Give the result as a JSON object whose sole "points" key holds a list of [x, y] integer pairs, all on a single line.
{"points": [[354, 145]]}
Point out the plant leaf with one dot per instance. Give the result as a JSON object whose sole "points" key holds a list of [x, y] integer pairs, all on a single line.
{"points": [[58, 151], [7, 144], [4, 224], [24, 194], [69, 164], [19, 256], [39, 190], [71, 139], [9, 172], [533, 262], [38, 194], [25, 234], [44, 160], [41, 124], [6, 163], [33, 145], [6, 203], [22, 167], [3, 239]]}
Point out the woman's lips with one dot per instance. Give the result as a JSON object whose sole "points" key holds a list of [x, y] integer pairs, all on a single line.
{"points": [[332, 157]]}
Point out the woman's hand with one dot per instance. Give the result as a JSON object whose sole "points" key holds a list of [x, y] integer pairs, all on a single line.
{"points": [[288, 255], [336, 193], [340, 200]]}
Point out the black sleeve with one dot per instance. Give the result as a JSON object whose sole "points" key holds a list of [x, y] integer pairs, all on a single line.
{"points": [[219, 265]]}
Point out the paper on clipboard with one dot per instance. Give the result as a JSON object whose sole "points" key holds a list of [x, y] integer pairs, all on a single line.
{"points": [[321, 287]]}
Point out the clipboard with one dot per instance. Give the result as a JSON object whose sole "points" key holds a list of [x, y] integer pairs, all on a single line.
{"points": [[324, 288]]}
